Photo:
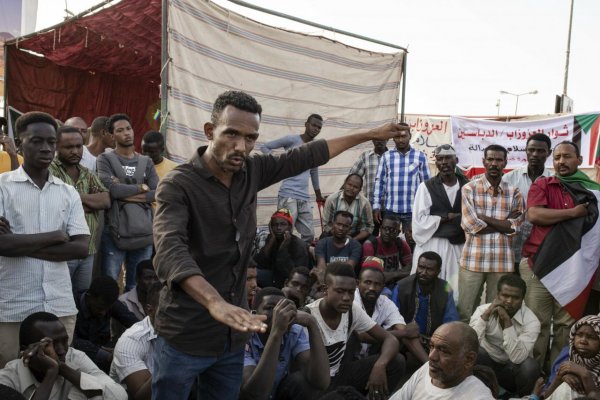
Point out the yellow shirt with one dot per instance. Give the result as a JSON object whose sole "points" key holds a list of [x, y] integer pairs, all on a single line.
{"points": [[164, 166], [5, 161]]}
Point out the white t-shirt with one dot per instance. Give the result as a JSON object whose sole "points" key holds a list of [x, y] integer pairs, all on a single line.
{"points": [[335, 339], [419, 387]]}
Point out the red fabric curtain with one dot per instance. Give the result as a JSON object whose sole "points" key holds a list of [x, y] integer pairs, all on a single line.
{"points": [[37, 84]]}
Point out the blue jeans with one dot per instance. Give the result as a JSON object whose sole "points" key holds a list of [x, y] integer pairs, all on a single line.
{"points": [[220, 378], [81, 272], [113, 257]]}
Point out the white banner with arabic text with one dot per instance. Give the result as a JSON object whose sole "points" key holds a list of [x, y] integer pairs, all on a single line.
{"points": [[471, 136]]}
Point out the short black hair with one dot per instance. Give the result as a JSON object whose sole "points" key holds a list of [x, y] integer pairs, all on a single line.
{"points": [[240, 100], [264, 292], [356, 175], [340, 268], [8, 393], [540, 137], [33, 117], [98, 125], [66, 129], [512, 280], [110, 122], [300, 271], [104, 288], [26, 330], [432, 255], [153, 293], [391, 217], [141, 267], [495, 147], [343, 213], [577, 152], [315, 116], [154, 137], [363, 269]]}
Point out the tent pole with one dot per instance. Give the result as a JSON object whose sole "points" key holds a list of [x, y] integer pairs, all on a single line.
{"points": [[5, 58], [164, 59], [403, 86], [303, 21]]}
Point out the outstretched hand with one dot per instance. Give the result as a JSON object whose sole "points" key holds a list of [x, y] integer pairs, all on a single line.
{"points": [[388, 131], [237, 318]]}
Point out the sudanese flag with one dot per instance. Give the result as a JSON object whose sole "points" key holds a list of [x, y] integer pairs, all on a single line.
{"points": [[568, 257]]}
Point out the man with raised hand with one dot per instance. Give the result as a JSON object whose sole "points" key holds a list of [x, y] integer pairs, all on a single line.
{"points": [[202, 319]]}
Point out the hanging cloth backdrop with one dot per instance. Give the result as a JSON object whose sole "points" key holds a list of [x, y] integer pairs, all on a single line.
{"points": [[292, 75]]}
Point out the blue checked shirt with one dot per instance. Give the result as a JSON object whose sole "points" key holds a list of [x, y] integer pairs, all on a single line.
{"points": [[398, 177]]}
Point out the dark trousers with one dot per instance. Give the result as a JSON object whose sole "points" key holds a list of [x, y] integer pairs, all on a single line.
{"points": [[515, 378], [353, 373]]}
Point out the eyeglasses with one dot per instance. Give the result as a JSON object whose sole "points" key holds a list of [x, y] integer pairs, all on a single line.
{"points": [[389, 229]]}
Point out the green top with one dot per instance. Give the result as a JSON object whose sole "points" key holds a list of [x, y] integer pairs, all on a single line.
{"points": [[88, 183]]}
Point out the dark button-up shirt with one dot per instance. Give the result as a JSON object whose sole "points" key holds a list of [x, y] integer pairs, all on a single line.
{"points": [[204, 228]]}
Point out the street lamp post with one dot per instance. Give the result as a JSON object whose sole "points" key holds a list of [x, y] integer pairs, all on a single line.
{"points": [[517, 96]]}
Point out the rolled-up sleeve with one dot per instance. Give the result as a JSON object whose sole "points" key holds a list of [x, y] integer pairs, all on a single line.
{"points": [[517, 205], [469, 222], [173, 261], [92, 378]]}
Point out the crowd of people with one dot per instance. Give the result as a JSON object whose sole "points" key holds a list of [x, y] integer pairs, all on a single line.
{"points": [[126, 276]]}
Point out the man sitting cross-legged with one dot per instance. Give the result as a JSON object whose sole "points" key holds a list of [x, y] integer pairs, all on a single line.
{"points": [[383, 311], [507, 331], [338, 317], [50, 369], [449, 373], [426, 299], [270, 356], [132, 363]]}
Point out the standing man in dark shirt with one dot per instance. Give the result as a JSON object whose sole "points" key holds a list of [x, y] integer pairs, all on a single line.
{"points": [[204, 228]]}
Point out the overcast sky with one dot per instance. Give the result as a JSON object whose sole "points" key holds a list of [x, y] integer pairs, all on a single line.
{"points": [[462, 53]]}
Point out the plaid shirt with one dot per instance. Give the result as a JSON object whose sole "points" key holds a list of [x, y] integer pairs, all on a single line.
{"points": [[359, 208], [87, 183], [398, 177], [366, 166], [491, 252]]}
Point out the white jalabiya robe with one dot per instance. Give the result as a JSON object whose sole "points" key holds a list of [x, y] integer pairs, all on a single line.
{"points": [[424, 226]]}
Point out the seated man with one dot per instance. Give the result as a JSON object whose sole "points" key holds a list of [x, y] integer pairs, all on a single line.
{"points": [[383, 311], [426, 299], [132, 363], [394, 251], [50, 369], [338, 246], [282, 252], [269, 356], [349, 198], [136, 297], [449, 372], [96, 307], [338, 317], [507, 331], [297, 286]]}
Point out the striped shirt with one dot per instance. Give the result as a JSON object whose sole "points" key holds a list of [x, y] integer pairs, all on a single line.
{"points": [[491, 252], [398, 177], [366, 166], [87, 183], [133, 351], [360, 208], [27, 284]]}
